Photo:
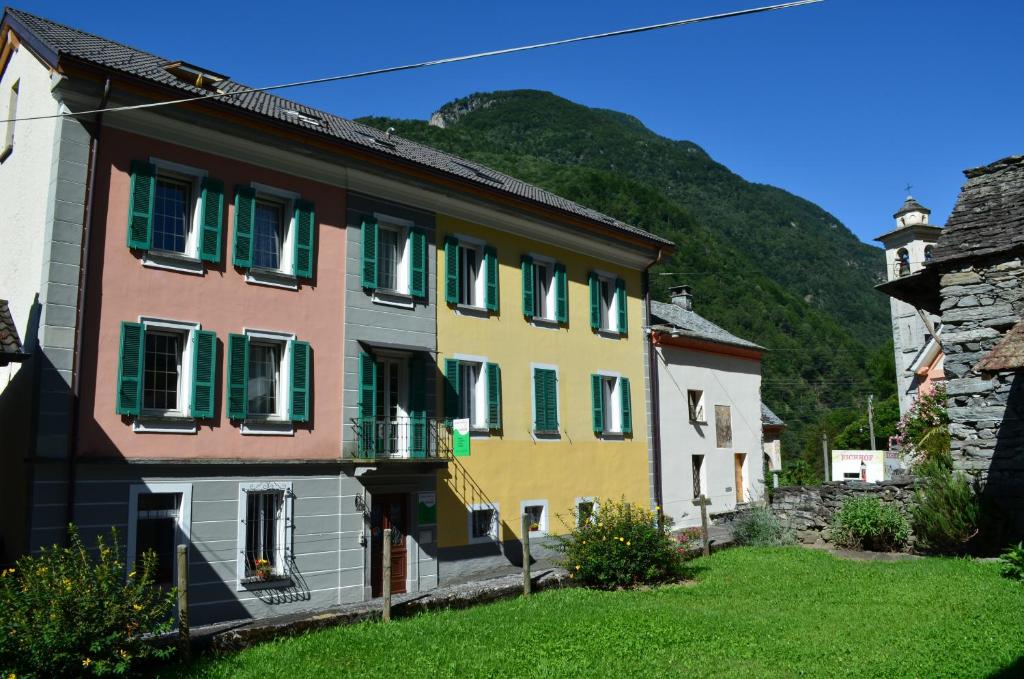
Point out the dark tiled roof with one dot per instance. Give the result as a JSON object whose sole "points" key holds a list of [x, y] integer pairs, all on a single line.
{"points": [[988, 217], [770, 419], [10, 343], [66, 41], [911, 205], [691, 324], [1008, 354]]}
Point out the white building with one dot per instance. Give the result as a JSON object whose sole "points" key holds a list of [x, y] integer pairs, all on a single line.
{"points": [[710, 413]]}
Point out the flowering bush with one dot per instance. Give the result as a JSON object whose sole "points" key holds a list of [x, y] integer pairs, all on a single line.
{"points": [[689, 539], [923, 431], [621, 545], [66, 614]]}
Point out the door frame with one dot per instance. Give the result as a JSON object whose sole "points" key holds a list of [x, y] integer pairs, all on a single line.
{"points": [[739, 464], [182, 535], [386, 362], [410, 544]]}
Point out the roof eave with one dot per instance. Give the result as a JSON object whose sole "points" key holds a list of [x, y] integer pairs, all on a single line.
{"points": [[920, 289]]}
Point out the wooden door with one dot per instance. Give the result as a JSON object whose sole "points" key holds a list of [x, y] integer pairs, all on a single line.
{"points": [[739, 459], [389, 511]]}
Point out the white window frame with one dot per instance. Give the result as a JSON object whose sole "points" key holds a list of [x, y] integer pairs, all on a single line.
{"points": [[12, 112], [479, 287], [550, 313], [544, 436], [611, 390], [592, 499], [480, 425], [283, 276], [403, 227], [188, 261], [278, 424], [610, 315], [184, 519], [180, 420], [699, 415], [495, 533], [542, 525], [286, 529]]}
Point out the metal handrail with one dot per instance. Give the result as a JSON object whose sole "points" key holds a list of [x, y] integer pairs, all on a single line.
{"points": [[414, 438]]}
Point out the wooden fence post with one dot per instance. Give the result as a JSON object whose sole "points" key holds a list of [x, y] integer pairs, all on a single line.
{"points": [[184, 636], [704, 523], [386, 576], [526, 555]]}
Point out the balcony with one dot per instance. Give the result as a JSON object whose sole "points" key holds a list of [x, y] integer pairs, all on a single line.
{"points": [[401, 438]]}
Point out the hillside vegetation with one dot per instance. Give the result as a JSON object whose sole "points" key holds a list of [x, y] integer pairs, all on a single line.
{"points": [[764, 264]]}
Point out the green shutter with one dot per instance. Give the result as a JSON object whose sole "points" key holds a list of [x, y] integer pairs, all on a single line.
{"points": [[129, 369], [452, 383], [245, 214], [211, 218], [545, 394], [528, 281], [451, 270], [597, 401], [493, 396], [370, 247], [561, 294], [491, 270], [300, 381], [140, 205], [204, 373], [620, 296], [305, 238], [595, 301], [417, 263], [627, 406], [539, 396], [418, 406], [551, 400], [238, 376], [367, 430]]}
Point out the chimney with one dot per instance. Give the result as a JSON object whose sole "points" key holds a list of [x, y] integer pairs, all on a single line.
{"points": [[682, 295]]}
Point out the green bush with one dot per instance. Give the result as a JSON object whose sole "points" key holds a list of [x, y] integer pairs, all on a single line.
{"points": [[1012, 562], [946, 512], [759, 527], [621, 545], [66, 614], [866, 523]]}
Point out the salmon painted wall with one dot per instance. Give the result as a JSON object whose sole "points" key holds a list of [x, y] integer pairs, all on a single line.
{"points": [[509, 468], [120, 289]]}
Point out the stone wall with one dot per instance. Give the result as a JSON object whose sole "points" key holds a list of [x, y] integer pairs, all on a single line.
{"points": [[979, 304], [809, 510]]}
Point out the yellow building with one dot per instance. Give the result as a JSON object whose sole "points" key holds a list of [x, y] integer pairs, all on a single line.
{"points": [[541, 345]]}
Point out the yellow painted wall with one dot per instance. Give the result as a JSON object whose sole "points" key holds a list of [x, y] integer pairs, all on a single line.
{"points": [[511, 467]]}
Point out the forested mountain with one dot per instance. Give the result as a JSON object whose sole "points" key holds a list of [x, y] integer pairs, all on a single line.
{"points": [[764, 264]]}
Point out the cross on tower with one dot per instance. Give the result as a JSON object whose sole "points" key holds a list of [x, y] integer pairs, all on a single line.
{"points": [[909, 186]]}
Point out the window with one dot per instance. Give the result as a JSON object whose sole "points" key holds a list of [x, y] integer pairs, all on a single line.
{"points": [[172, 215], [545, 401], [12, 113], [158, 521], [612, 405], [586, 509], [608, 303], [394, 259], [695, 402], [697, 467], [537, 511], [483, 523], [471, 274], [274, 235], [723, 426], [851, 475], [391, 252], [269, 377], [929, 254], [473, 391], [264, 531], [166, 372], [545, 289], [902, 262]]}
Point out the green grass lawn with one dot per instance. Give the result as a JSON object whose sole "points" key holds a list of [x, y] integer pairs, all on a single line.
{"points": [[781, 612]]}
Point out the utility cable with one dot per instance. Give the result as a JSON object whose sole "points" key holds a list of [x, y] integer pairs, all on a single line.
{"points": [[426, 64]]}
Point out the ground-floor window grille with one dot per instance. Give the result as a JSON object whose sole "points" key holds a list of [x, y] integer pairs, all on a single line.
{"points": [[697, 462], [264, 533]]}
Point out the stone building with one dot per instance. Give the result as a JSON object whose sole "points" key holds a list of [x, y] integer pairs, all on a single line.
{"points": [[975, 283]]}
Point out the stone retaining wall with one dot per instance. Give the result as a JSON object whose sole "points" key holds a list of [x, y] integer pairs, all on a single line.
{"points": [[808, 510]]}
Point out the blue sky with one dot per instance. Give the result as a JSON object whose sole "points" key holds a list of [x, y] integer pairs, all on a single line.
{"points": [[843, 102]]}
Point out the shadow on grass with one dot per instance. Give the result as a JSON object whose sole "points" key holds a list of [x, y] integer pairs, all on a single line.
{"points": [[1015, 670]]}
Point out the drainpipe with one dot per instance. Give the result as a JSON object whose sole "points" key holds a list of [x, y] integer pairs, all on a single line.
{"points": [[90, 182], [652, 367]]}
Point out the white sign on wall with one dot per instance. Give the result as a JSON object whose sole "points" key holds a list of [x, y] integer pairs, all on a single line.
{"points": [[858, 465]]}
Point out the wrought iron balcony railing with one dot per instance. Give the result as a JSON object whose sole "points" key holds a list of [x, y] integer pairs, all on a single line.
{"points": [[389, 438]]}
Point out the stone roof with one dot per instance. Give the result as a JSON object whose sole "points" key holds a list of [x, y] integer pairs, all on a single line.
{"points": [[10, 343], [690, 324], [911, 205], [770, 419], [988, 217], [1008, 354], [64, 41]]}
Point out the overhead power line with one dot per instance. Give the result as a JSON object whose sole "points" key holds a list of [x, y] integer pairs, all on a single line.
{"points": [[426, 64]]}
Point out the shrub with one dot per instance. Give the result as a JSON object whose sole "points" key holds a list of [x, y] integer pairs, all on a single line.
{"points": [[946, 512], [621, 545], [759, 527], [1012, 562], [866, 523], [67, 614]]}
